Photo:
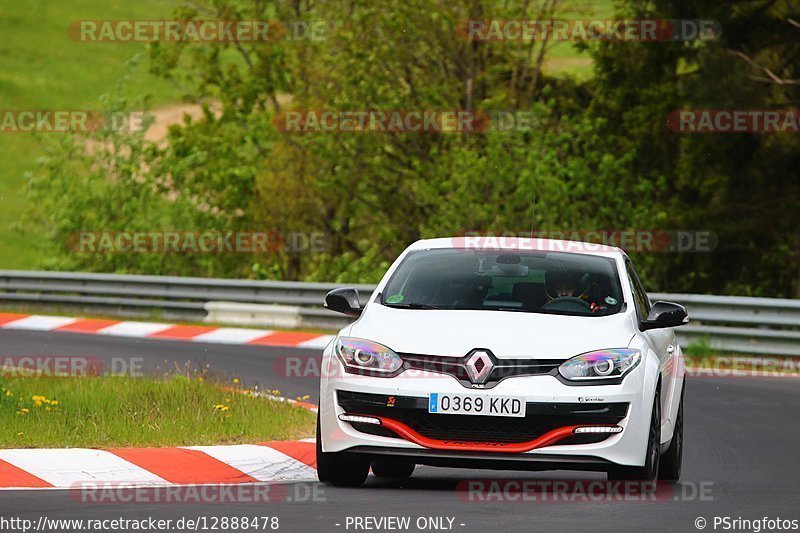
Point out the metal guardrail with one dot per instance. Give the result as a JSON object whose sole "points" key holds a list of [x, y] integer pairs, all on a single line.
{"points": [[769, 326], [168, 297], [729, 323]]}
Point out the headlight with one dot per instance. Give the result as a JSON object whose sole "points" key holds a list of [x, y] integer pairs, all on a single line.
{"points": [[359, 355], [602, 364]]}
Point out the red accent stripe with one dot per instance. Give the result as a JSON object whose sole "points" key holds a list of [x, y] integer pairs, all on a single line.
{"points": [[284, 338], [10, 317], [305, 452], [548, 439], [179, 465], [181, 332], [87, 325], [12, 476]]}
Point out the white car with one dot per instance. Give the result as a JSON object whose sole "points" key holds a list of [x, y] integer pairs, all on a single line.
{"points": [[525, 354]]}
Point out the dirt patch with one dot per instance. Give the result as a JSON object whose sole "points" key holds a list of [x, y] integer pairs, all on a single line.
{"points": [[166, 116]]}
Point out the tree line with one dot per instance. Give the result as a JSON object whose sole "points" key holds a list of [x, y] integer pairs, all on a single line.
{"points": [[593, 153]]}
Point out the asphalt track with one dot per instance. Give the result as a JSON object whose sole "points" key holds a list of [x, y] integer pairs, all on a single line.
{"points": [[741, 460]]}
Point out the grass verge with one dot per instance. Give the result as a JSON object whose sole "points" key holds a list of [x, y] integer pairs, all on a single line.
{"points": [[42, 68], [106, 411]]}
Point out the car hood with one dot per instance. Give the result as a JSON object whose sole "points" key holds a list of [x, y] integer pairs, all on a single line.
{"points": [[507, 334]]}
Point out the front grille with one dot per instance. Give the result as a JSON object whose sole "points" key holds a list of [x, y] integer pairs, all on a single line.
{"points": [[540, 418], [503, 368]]}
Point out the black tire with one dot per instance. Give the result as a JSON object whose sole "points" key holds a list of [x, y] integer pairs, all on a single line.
{"points": [[398, 469], [648, 472], [670, 468], [339, 469]]}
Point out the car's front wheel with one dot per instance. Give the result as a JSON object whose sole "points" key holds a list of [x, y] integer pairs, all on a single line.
{"points": [[649, 471], [670, 468], [339, 469]]}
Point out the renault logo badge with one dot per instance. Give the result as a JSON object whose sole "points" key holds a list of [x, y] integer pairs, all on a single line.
{"points": [[479, 365]]}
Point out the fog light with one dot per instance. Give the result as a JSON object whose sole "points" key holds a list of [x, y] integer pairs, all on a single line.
{"points": [[598, 429], [360, 419]]}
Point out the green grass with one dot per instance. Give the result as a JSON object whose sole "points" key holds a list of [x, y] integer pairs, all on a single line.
{"points": [[564, 58], [107, 411], [700, 348], [42, 68]]}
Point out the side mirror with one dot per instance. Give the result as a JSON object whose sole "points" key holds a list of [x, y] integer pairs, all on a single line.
{"points": [[665, 315], [344, 301]]}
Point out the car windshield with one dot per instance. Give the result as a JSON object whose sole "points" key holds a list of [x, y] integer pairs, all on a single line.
{"points": [[532, 282]]}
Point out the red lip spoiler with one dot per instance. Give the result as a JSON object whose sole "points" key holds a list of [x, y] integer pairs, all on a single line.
{"points": [[548, 439]]}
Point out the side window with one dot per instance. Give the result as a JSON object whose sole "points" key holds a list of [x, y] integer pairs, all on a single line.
{"points": [[639, 295]]}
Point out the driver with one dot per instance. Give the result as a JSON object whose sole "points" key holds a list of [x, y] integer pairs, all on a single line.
{"points": [[565, 283]]}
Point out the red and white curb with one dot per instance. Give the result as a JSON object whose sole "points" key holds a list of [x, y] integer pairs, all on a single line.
{"points": [[64, 468], [156, 330]]}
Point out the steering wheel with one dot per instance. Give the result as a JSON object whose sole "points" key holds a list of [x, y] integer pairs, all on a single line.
{"points": [[568, 303]]}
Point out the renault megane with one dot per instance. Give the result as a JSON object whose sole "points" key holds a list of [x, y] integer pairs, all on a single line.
{"points": [[507, 354]]}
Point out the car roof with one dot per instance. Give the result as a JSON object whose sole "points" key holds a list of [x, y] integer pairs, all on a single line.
{"points": [[520, 244]]}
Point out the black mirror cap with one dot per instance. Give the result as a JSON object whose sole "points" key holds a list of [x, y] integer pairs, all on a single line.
{"points": [[665, 315], [344, 300]]}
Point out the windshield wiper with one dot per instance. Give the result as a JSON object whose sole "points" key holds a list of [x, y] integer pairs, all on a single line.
{"points": [[411, 305], [501, 308]]}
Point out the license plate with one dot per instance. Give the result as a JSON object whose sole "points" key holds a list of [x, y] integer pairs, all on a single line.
{"points": [[475, 404]]}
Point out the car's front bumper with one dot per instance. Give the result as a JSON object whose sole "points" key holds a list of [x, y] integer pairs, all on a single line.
{"points": [[540, 392]]}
